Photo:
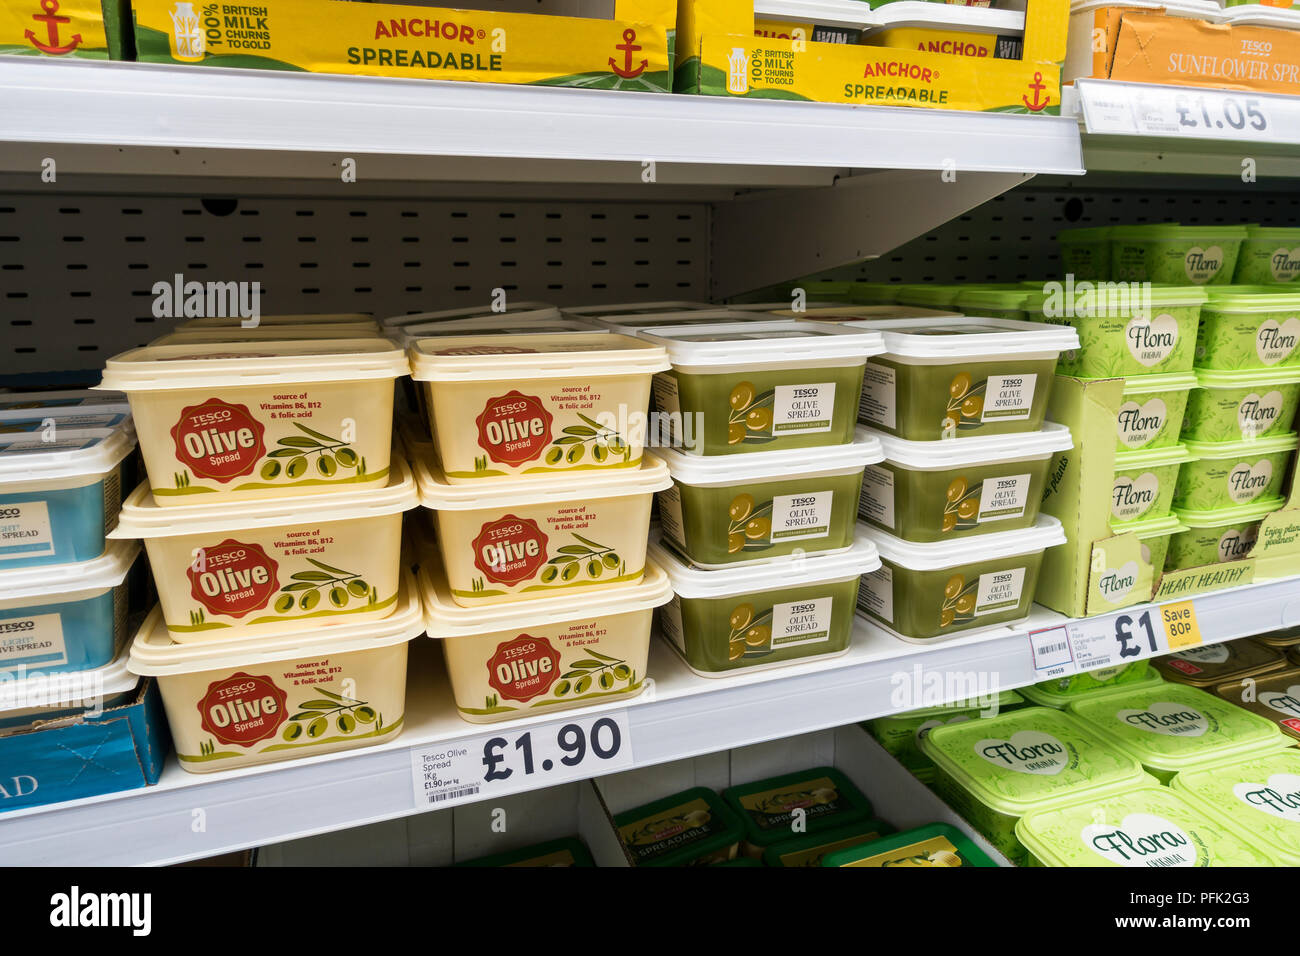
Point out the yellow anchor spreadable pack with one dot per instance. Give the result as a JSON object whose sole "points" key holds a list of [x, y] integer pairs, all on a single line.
{"points": [[88, 29], [608, 44], [724, 50]]}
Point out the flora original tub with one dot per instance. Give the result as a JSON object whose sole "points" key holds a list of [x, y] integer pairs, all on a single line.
{"points": [[552, 654], [901, 734], [1174, 254], [1143, 827], [1209, 665], [272, 565], [1213, 537], [1153, 536], [65, 617], [59, 498], [1228, 474], [1231, 406], [32, 695], [1269, 254], [259, 419], [723, 510], [761, 385], [519, 539], [943, 490], [1273, 695], [936, 844], [952, 379], [762, 615], [1060, 692], [1259, 796], [1151, 410], [994, 303], [234, 703], [935, 590], [1144, 483], [1085, 252], [692, 828], [1249, 329], [995, 771], [511, 405], [1174, 727], [821, 798]]}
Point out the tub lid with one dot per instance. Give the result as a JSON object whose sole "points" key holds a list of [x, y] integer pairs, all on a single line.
{"points": [[167, 367], [972, 450], [1152, 457], [442, 315], [25, 458], [712, 470], [788, 341], [106, 571], [444, 618], [1283, 233], [1257, 794], [511, 323], [1261, 15], [783, 307], [1208, 664], [1045, 532], [496, 358], [786, 571], [1150, 527], [1177, 231], [922, 15], [1110, 298], [1005, 700], [356, 320], [66, 688], [272, 333], [1263, 445], [970, 337], [70, 422], [142, 517], [1043, 693], [1218, 517], [972, 300], [155, 654], [1085, 233], [917, 293], [440, 495], [1160, 382], [1245, 378], [1172, 726], [854, 313], [1229, 299], [637, 308], [631, 324], [1025, 758], [1116, 831], [1200, 9], [68, 401]]}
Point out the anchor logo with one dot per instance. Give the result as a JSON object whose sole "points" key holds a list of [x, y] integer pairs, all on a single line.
{"points": [[628, 47], [1037, 86], [52, 21]]}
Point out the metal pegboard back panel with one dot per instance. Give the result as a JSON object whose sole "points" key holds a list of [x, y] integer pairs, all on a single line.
{"points": [[77, 272]]}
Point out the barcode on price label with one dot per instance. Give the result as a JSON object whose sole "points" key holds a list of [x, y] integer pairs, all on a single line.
{"points": [[1050, 648]]}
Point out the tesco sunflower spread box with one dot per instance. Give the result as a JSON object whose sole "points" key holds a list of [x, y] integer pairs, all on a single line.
{"points": [[85, 29], [598, 44], [726, 51]]}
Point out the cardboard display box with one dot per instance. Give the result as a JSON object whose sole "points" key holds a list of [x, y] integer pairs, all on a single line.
{"points": [[87, 29]]}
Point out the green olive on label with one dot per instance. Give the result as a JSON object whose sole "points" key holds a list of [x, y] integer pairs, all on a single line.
{"points": [[956, 489], [292, 732], [740, 507], [945, 617], [270, 470], [554, 454], [758, 419], [949, 520], [599, 452], [735, 433], [617, 443], [570, 571], [960, 385], [358, 587], [610, 560], [309, 600], [297, 467], [972, 405], [284, 602], [953, 587], [561, 688], [584, 682], [741, 615], [365, 714], [346, 457], [338, 595], [758, 635], [741, 396], [550, 573], [606, 680], [594, 568], [736, 650], [966, 604], [346, 723], [735, 541], [757, 528], [325, 465], [317, 727], [968, 508], [575, 453], [622, 671]]}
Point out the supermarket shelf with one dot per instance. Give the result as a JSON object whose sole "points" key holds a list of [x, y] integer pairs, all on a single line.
{"points": [[189, 816]]}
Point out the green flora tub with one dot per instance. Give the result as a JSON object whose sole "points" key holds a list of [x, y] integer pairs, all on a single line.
{"points": [[1230, 406], [777, 809], [1144, 483], [927, 295], [1269, 255], [995, 771], [1151, 410], [1228, 474], [1274, 695], [1146, 826], [692, 828], [943, 490], [1259, 796], [761, 385], [1060, 692], [1209, 665], [993, 303], [1246, 329], [762, 615], [1085, 252], [1213, 537], [926, 591], [901, 734], [1175, 254], [1153, 538], [953, 379], [873, 293], [1173, 727], [722, 510], [937, 844], [1124, 328]]}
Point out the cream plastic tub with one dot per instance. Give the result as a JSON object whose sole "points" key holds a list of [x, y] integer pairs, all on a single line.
{"points": [[511, 323], [553, 654], [357, 321], [635, 324], [525, 539], [220, 335], [397, 322], [259, 419], [238, 703], [637, 308], [272, 566], [536, 405]]}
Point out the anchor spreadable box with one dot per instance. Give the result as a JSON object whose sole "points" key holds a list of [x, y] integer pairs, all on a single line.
{"points": [[87, 29]]}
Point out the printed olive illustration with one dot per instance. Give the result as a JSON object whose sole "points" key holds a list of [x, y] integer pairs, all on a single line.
{"points": [[317, 727], [366, 715], [561, 688], [741, 615], [953, 587], [622, 671], [284, 602], [606, 680], [570, 571], [358, 587], [735, 433], [616, 443], [945, 617], [610, 560], [972, 405], [575, 453], [960, 385], [756, 528], [270, 470], [309, 600], [966, 604], [758, 635], [697, 818], [968, 508], [292, 732], [583, 683], [824, 795], [297, 467], [758, 419], [338, 595], [594, 568], [740, 507], [949, 520], [735, 541], [956, 489], [554, 454], [742, 396], [346, 457], [599, 452], [346, 723], [325, 465], [737, 650], [550, 573]]}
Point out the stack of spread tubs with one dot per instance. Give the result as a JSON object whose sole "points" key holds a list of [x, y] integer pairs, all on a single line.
{"points": [[540, 592], [271, 515], [758, 529], [958, 406]]}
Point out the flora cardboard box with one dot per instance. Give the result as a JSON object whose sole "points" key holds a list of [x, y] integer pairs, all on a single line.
{"points": [[726, 51], [82, 28], [595, 44]]}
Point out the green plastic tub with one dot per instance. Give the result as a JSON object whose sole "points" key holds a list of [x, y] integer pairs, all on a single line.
{"points": [[1175, 254], [928, 295], [812, 850], [1209, 665], [762, 615], [901, 734], [936, 844], [924, 592], [1259, 796], [1247, 329], [761, 385], [568, 851], [960, 378], [1215, 537], [1174, 727], [1146, 826], [1231, 406], [1273, 695], [820, 799], [1269, 255], [1085, 252], [993, 303], [993, 772], [1124, 329], [873, 293], [1060, 692], [1229, 474], [943, 490], [1153, 538], [1151, 410], [1144, 483], [724, 510], [691, 828]]}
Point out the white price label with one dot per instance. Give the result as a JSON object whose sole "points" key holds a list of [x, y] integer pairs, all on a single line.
{"points": [[1114, 640], [510, 760], [1138, 109]]}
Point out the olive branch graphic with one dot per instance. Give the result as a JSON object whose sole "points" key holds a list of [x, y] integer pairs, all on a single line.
{"points": [[569, 561], [331, 455], [750, 415], [571, 446], [313, 716], [605, 670], [343, 587]]}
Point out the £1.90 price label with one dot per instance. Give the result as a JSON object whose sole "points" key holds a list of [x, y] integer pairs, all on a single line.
{"points": [[1115, 640], [526, 758]]}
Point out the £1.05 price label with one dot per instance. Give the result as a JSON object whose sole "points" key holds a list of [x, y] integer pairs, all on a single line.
{"points": [[525, 758]]}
